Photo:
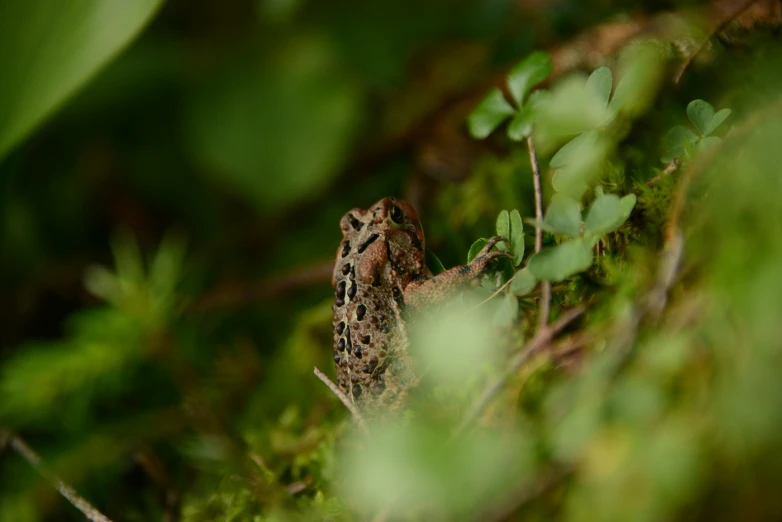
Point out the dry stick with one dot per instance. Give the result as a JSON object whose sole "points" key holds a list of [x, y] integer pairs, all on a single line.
{"points": [[540, 341], [722, 25], [64, 489], [545, 299], [672, 167], [344, 398]]}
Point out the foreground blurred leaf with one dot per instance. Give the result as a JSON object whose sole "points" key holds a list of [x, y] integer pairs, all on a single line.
{"points": [[523, 282], [564, 216], [48, 50], [275, 129]]}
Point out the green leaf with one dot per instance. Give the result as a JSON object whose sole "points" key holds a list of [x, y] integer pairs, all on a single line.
{"points": [[507, 310], [49, 50], [707, 143], [607, 213], [675, 142], [701, 114], [571, 108], [503, 228], [528, 73], [434, 263], [522, 123], [627, 204], [564, 216], [516, 237], [248, 121], [560, 262], [601, 81], [520, 127], [475, 248], [641, 68], [718, 119], [573, 149], [523, 283], [489, 114]]}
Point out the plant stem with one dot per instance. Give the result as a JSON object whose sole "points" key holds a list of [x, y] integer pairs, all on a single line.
{"points": [[545, 286], [344, 398], [32, 458]]}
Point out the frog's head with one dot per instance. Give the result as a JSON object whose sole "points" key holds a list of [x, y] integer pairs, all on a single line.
{"points": [[392, 214]]}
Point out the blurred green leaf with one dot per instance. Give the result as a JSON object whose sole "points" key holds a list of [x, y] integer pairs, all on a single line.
{"points": [[570, 108], [708, 142], [700, 113], [523, 283], [601, 81], [675, 141], [564, 215], [562, 261], [507, 310], [521, 125], [526, 74], [476, 247], [641, 66], [516, 236], [573, 149], [50, 50], [489, 114], [275, 129], [607, 213], [718, 119]]}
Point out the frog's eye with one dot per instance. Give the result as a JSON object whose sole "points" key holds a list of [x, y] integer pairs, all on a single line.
{"points": [[396, 215]]}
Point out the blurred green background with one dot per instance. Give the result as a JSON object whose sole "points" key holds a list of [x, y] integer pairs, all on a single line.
{"points": [[204, 152]]}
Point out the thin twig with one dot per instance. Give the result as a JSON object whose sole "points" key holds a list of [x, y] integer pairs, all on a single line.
{"points": [[672, 167], [540, 341], [32, 458], [545, 299], [492, 296], [720, 26], [344, 398]]}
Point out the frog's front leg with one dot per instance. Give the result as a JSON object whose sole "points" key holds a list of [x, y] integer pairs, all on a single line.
{"points": [[437, 288]]}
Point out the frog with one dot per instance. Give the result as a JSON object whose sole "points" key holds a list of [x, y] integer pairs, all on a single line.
{"points": [[381, 280]]}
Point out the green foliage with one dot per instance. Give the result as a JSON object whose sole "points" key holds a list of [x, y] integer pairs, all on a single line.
{"points": [[681, 142], [494, 110], [229, 114], [48, 54], [177, 383]]}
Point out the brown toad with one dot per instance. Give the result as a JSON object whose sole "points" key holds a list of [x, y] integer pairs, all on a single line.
{"points": [[379, 277]]}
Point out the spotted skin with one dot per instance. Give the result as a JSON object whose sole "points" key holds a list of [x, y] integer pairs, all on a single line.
{"points": [[379, 277]]}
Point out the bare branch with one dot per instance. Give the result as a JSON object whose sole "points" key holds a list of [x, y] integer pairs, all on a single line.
{"points": [[720, 26], [32, 458], [344, 398]]}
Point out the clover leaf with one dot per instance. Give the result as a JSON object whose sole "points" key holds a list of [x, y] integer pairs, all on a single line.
{"points": [[560, 262]]}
